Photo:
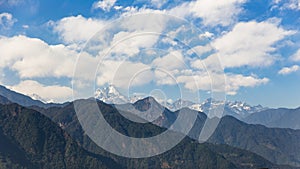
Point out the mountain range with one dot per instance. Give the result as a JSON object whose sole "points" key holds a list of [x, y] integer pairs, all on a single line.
{"points": [[280, 118], [234, 144], [31, 140], [24, 100], [238, 109], [276, 145]]}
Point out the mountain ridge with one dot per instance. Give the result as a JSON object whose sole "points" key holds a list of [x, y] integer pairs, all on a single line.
{"points": [[238, 109], [24, 100]]}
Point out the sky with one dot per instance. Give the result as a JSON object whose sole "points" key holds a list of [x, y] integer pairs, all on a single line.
{"points": [[247, 49]]}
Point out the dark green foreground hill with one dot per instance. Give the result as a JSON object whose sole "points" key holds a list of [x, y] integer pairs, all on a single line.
{"points": [[30, 140], [188, 154]]}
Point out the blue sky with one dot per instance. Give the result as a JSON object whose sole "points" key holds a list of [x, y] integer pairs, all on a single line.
{"points": [[257, 42]]}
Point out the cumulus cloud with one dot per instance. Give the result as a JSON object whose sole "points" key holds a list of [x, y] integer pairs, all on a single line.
{"points": [[172, 61], [250, 43], [31, 57], [287, 4], [211, 12], [217, 12], [76, 29], [288, 70], [235, 81], [200, 50], [123, 73], [6, 20], [229, 83], [158, 3], [129, 43], [296, 56], [55, 93], [105, 5], [206, 35]]}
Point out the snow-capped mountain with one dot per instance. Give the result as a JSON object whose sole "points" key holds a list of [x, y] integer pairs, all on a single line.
{"points": [[243, 108], [110, 95], [236, 109], [178, 104], [37, 97]]}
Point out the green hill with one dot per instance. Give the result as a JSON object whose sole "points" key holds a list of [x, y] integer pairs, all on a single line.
{"points": [[188, 154], [30, 140]]}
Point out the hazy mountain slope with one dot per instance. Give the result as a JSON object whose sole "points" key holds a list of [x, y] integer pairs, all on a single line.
{"points": [[4, 100], [277, 145], [23, 100], [281, 118]]}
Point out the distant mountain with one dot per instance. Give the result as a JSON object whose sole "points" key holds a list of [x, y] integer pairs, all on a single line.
{"points": [[23, 99], [149, 110], [179, 104], [4, 100], [237, 109], [240, 110], [37, 97], [277, 145], [280, 118], [110, 95], [32, 141]]}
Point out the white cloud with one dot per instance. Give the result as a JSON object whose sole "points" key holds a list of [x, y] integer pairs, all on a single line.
{"points": [[182, 10], [118, 7], [140, 20], [200, 50], [76, 29], [215, 82], [250, 43], [163, 77], [105, 5], [129, 43], [206, 35], [25, 26], [217, 12], [296, 56], [288, 70], [196, 81], [287, 4], [6, 20], [158, 3], [56, 93], [212, 12], [172, 61], [32, 57], [235, 81], [123, 73]]}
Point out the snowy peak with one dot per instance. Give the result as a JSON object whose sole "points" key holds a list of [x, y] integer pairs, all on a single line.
{"points": [[237, 109], [110, 95], [37, 97], [241, 107]]}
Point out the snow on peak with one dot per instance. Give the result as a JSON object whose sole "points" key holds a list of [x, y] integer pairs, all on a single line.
{"points": [[238, 109], [37, 97], [110, 95]]}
